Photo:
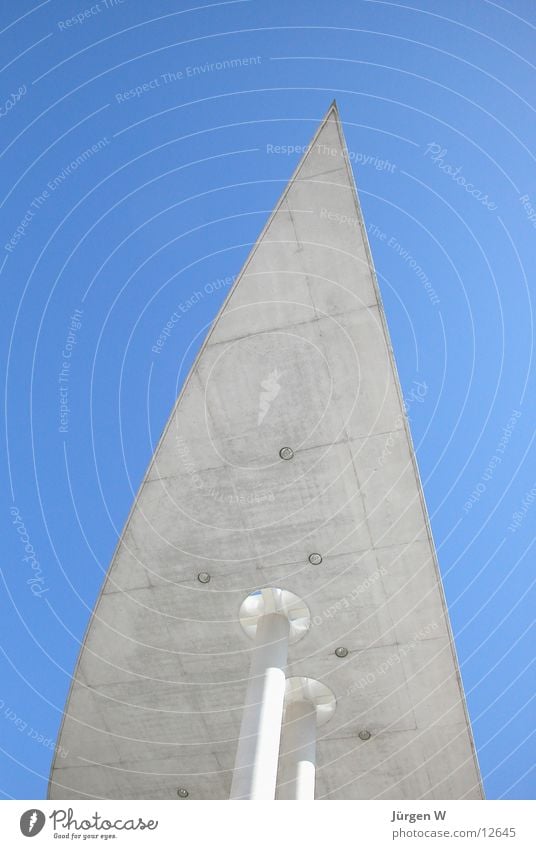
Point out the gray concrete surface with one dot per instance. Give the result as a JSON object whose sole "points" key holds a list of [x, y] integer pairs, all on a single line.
{"points": [[299, 357]]}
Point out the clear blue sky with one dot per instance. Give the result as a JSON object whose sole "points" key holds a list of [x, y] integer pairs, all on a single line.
{"points": [[173, 186]]}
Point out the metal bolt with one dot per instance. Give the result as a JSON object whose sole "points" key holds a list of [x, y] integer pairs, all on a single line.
{"points": [[315, 559], [286, 453], [341, 651], [182, 793], [364, 735], [203, 577]]}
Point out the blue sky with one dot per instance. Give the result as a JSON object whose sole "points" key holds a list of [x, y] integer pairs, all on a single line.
{"points": [[174, 175]]}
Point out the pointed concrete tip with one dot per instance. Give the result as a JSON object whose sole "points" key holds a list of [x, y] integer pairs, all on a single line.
{"points": [[333, 109], [331, 114]]}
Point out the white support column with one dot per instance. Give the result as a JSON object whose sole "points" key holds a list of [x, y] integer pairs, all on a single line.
{"points": [[308, 704], [274, 618], [255, 772], [299, 740]]}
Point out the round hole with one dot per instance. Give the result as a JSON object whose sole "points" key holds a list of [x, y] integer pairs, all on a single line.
{"points": [[275, 600], [315, 559], [364, 735], [286, 453], [203, 577], [182, 793], [341, 651]]}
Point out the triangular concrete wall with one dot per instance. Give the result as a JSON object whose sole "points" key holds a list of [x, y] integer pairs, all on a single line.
{"points": [[299, 357]]}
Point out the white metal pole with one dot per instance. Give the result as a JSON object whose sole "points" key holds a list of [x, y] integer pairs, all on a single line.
{"points": [[299, 751], [255, 771]]}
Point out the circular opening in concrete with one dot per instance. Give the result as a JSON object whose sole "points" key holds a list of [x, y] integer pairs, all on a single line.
{"points": [[203, 577], [312, 692], [182, 793], [341, 651], [275, 600], [364, 735], [286, 453], [315, 559]]}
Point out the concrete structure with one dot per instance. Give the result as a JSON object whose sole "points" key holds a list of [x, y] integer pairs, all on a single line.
{"points": [[286, 463]]}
